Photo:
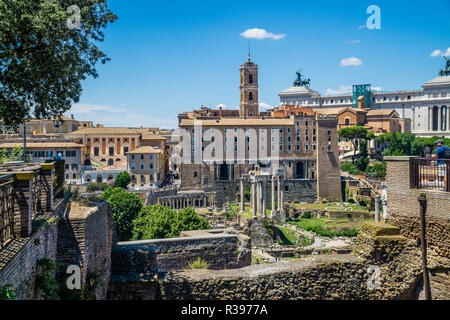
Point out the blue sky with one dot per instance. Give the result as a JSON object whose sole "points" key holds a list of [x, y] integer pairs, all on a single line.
{"points": [[172, 56]]}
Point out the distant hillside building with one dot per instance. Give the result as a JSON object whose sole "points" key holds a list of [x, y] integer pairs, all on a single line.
{"points": [[428, 108], [303, 143]]}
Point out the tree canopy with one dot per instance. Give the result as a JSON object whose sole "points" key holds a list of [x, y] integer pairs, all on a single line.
{"points": [[354, 134], [122, 180], [402, 144], [42, 60], [125, 207], [154, 222]]}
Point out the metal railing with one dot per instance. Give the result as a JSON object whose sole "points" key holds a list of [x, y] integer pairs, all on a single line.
{"points": [[432, 174], [6, 208]]}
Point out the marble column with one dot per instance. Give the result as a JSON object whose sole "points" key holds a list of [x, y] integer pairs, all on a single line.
{"points": [[242, 197], [440, 118], [430, 118], [263, 187], [253, 199], [274, 210], [377, 208], [279, 193], [258, 198]]}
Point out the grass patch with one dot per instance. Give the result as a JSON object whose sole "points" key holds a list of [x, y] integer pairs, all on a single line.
{"points": [[290, 237], [328, 227], [330, 207], [199, 264]]}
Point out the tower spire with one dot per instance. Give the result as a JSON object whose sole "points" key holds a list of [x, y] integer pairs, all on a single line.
{"points": [[248, 59]]}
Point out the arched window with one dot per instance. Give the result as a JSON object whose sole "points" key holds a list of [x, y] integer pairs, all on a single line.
{"points": [[250, 78], [110, 162], [347, 121]]}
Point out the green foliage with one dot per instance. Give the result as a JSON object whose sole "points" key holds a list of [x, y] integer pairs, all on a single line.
{"points": [[16, 154], [247, 193], [42, 61], [404, 144], [6, 293], [268, 228], [125, 207], [199, 264], [155, 222], [122, 180], [363, 158], [350, 168], [110, 191], [376, 169], [86, 292], [317, 225], [45, 281], [93, 186]]}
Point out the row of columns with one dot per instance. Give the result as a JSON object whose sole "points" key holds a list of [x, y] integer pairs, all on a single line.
{"points": [[187, 201], [259, 196], [431, 119]]}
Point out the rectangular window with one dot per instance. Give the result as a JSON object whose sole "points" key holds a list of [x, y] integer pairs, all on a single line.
{"points": [[142, 166], [96, 151]]}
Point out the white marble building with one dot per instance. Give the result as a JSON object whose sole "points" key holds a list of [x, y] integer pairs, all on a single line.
{"points": [[428, 108]]}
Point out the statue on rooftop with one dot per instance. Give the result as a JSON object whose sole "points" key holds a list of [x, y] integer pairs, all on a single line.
{"points": [[299, 82], [446, 71]]}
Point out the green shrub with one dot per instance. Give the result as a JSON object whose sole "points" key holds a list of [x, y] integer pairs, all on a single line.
{"points": [[350, 168], [93, 186], [122, 180], [376, 169], [125, 207], [6, 293], [155, 222], [199, 264]]}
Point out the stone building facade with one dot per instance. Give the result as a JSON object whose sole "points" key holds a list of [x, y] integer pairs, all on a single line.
{"points": [[145, 164], [427, 108], [216, 151]]}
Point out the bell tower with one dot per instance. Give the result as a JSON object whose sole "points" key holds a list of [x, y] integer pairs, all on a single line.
{"points": [[249, 105]]}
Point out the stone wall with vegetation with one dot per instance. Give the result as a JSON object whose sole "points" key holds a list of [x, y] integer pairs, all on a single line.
{"points": [[400, 263], [19, 257], [322, 277]]}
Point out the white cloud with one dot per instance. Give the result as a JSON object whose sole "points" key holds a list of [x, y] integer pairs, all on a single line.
{"points": [[264, 106], [352, 61], [111, 116], [377, 88], [438, 52], [259, 34], [352, 41], [342, 89]]}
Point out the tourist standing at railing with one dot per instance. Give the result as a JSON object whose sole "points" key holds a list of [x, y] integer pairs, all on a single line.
{"points": [[442, 152]]}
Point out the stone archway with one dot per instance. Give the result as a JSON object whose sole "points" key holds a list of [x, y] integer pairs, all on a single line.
{"points": [[99, 178]]}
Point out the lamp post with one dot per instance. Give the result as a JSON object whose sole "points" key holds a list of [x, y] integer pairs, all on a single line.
{"points": [[24, 142]]}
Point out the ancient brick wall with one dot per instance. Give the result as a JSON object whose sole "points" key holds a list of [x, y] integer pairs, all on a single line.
{"points": [[404, 209], [85, 239], [325, 277], [19, 257], [136, 263], [328, 165]]}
